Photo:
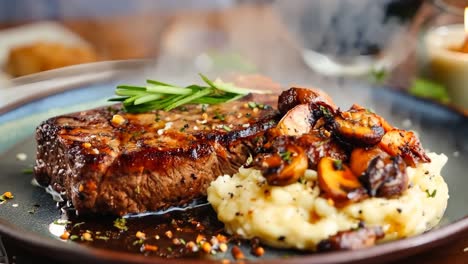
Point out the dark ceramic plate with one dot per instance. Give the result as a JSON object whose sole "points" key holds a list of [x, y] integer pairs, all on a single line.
{"points": [[441, 130]]}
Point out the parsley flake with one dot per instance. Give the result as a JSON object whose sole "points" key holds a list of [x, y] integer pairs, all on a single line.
{"points": [[121, 224], [431, 194]]}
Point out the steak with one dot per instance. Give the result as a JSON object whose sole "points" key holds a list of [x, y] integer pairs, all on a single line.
{"points": [[107, 161]]}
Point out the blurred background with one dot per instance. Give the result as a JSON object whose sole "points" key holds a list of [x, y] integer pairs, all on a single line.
{"points": [[376, 41]]}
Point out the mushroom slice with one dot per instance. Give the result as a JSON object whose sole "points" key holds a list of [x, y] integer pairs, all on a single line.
{"points": [[319, 144], [406, 144], [296, 96], [385, 177], [358, 127], [284, 164], [296, 121], [362, 237], [386, 126], [338, 182], [360, 159]]}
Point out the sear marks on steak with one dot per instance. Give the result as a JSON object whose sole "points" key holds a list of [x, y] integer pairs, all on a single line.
{"points": [[106, 161]]}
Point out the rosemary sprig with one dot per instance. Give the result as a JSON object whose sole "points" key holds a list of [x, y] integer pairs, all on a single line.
{"points": [[157, 95]]}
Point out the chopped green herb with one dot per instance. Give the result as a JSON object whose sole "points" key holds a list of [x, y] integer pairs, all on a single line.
{"points": [[182, 129], [431, 194], [325, 111], [338, 164], [121, 224], [74, 237], [252, 104], [102, 238], [112, 110], [248, 115], [286, 156], [61, 222], [219, 116], [228, 129], [182, 241], [138, 242], [169, 249]]}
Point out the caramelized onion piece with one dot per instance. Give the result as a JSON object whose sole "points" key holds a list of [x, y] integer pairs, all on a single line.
{"points": [[296, 96], [338, 182], [284, 164], [406, 144], [358, 127], [352, 239], [296, 121], [385, 177]]}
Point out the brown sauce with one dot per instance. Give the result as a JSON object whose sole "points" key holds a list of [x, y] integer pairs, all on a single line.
{"points": [[168, 234]]}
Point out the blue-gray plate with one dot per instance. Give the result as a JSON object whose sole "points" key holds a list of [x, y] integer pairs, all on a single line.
{"points": [[441, 129]]}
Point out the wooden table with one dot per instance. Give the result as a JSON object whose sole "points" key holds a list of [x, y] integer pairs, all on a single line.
{"points": [[148, 35]]}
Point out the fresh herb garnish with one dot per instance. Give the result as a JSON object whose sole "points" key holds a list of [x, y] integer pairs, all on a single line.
{"points": [[253, 105], [157, 95], [138, 242], [121, 224], [431, 194], [286, 156], [105, 238], [61, 222], [219, 116], [228, 129], [325, 111], [182, 129], [337, 164]]}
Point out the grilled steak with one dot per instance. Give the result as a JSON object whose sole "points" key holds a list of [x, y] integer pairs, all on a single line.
{"points": [[106, 161]]}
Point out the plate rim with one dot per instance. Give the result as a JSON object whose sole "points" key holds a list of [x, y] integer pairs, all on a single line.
{"points": [[65, 250], [79, 253], [70, 78]]}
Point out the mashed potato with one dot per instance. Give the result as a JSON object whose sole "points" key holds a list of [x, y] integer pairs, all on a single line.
{"points": [[295, 216]]}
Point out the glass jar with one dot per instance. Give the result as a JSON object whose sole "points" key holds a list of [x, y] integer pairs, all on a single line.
{"points": [[441, 59]]}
